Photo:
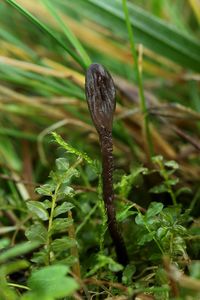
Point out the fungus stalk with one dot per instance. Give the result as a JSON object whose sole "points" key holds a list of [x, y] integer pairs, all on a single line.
{"points": [[100, 94]]}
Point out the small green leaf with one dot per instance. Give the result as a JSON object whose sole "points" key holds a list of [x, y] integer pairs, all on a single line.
{"points": [[157, 159], [63, 176], [37, 232], [139, 219], [63, 208], [128, 181], [39, 209], [179, 229], [154, 209], [45, 190], [70, 260], [115, 267], [41, 257], [179, 246], [172, 181], [159, 189], [62, 244], [103, 261], [128, 274], [62, 164], [72, 173], [52, 283], [123, 215], [161, 232], [66, 191], [112, 265], [183, 190], [47, 203], [146, 238], [61, 224], [172, 164]]}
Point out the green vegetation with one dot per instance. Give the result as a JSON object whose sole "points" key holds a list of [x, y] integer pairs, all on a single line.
{"points": [[54, 238]]}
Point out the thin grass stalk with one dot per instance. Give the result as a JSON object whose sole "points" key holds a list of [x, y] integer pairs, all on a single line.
{"points": [[67, 31], [143, 104], [45, 29]]}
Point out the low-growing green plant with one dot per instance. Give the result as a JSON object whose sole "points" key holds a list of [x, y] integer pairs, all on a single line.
{"points": [[55, 193], [165, 227], [166, 171], [55, 245]]}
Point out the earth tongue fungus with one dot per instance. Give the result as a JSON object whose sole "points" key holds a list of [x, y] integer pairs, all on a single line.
{"points": [[100, 93]]}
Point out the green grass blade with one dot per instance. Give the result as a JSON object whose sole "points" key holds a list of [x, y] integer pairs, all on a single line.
{"points": [[139, 79], [153, 33], [69, 34], [46, 30]]}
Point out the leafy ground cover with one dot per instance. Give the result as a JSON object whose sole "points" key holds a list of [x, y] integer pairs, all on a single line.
{"points": [[54, 238]]}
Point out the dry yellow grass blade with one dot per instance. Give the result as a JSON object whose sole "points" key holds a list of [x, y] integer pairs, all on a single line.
{"points": [[166, 62], [183, 280], [43, 109], [59, 100], [153, 69], [50, 101], [97, 41], [8, 49], [76, 76], [195, 4], [161, 145], [195, 77], [65, 73]]}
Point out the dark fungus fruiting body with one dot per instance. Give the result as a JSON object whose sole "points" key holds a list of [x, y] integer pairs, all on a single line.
{"points": [[100, 93]]}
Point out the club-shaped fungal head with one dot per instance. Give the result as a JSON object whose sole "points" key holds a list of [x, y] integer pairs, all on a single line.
{"points": [[100, 94]]}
